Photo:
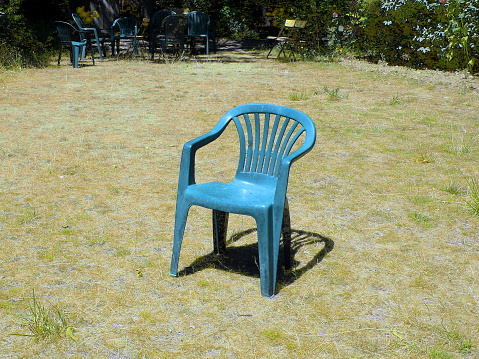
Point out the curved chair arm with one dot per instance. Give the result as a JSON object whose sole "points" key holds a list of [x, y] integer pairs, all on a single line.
{"points": [[112, 30], [187, 165], [113, 26], [94, 30], [283, 176]]}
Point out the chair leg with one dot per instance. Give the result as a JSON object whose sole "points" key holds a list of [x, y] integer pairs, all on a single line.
{"points": [[60, 54], [135, 46], [268, 248], [286, 231], [92, 55], [100, 50], [75, 55], [220, 230], [112, 45], [281, 49], [181, 216], [270, 50]]}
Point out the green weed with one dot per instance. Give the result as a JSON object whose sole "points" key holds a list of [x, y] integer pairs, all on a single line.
{"points": [[453, 188], [424, 158], [421, 218], [473, 203], [45, 322], [395, 101], [333, 94], [29, 216], [437, 353], [298, 96], [465, 347], [461, 147]]}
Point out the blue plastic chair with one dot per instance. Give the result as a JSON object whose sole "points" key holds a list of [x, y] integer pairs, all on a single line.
{"points": [[155, 29], [92, 32], [124, 28], [271, 138], [198, 26], [172, 36], [66, 33]]}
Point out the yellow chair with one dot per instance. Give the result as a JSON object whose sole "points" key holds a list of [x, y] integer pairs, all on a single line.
{"points": [[288, 38]]}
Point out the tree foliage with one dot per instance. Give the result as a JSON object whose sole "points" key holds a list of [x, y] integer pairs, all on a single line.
{"points": [[440, 34]]}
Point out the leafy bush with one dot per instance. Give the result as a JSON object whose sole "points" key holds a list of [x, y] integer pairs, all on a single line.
{"points": [[462, 34], [331, 24], [439, 34], [19, 46]]}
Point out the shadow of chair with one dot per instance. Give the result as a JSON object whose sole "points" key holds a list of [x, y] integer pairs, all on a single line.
{"points": [[243, 259], [124, 28], [271, 138], [198, 27], [289, 38], [70, 36], [93, 34]]}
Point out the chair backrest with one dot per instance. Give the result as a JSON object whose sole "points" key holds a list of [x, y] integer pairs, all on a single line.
{"points": [[78, 21], [158, 17], [289, 23], [173, 27], [66, 32], [198, 23], [291, 27], [300, 24], [128, 26], [268, 134]]}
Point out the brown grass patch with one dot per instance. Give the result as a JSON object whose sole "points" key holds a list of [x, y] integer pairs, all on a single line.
{"points": [[386, 253]]}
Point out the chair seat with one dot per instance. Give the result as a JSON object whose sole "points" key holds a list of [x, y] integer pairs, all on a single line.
{"points": [[238, 196]]}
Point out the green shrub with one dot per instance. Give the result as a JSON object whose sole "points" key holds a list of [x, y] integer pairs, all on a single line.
{"points": [[19, 46], [331, 26], [462, 34], [422, 33]]}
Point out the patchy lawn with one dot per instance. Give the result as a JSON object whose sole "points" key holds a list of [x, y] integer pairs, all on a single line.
{"points": [[386, 246]]}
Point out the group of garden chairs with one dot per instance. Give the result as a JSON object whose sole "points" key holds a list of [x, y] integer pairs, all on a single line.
{"points": [[270, 137], [166, 30]]}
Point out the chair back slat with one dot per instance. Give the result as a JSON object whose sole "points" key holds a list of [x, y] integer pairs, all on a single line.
{"points": [[264, 156], [128, 26], [173, 27], [157, 20], [198, 23], [265, 140], [66, 32], [78, 20]]}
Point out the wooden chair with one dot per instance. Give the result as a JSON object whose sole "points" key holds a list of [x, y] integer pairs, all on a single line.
{"points": [[288, 38]]}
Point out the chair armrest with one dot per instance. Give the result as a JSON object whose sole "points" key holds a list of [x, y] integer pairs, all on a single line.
{"points": [[285, 167], [187, 165]]}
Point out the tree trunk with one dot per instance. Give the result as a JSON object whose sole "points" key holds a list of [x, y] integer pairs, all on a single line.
{"points": [[108, 10], [148, 8]]}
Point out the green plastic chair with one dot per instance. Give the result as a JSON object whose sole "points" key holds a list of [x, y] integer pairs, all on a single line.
{"points": [[69, 36], [198, 26], [92, 32], [271, 138], [154, 26], [172, 35], [124, 28]]}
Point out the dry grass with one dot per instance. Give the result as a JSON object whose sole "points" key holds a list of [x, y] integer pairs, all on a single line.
{"points": [[387, 249]]}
